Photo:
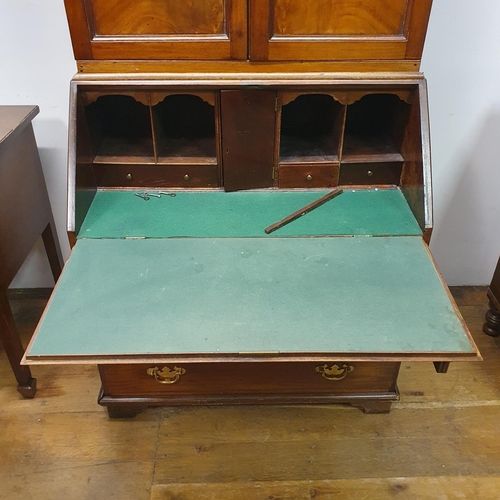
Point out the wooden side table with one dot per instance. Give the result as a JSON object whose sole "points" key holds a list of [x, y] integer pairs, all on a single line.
{"points": [[492, 325], [25, 214]]}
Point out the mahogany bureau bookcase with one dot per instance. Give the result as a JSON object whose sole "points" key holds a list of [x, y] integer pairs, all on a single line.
{"points": [[194, 126]]}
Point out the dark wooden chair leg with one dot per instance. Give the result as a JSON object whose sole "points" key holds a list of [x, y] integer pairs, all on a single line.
{"points": [[492, 325], [14, 349], [53, 249]]}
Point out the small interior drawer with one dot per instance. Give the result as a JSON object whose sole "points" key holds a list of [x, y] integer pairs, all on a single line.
{"points": [[178, 176], [308, 176], [159, 379], [371, 173]]}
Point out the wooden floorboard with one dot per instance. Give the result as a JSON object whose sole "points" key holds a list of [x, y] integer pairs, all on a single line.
{"points": [[441, 440], [414, 488]]}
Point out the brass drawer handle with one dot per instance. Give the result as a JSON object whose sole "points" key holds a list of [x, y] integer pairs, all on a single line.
{"points": [[335, 372], [166, 375]]}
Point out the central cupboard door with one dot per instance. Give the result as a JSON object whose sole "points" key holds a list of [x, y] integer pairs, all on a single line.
{"points": [[337, 29], [158, 29]]}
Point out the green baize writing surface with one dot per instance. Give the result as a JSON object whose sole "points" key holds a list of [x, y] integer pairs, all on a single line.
{"points": [[215, 214], [229, 295]]}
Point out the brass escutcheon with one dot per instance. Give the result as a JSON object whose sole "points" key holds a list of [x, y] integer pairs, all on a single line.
{"points": [[166, 375], [335, 372]]}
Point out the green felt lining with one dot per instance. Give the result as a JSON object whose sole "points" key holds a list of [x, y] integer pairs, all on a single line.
{"points": [[216, 214], [230, 295]]}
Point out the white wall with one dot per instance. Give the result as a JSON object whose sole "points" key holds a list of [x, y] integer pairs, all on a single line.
{"points": [[461, 62], [36, 66]]}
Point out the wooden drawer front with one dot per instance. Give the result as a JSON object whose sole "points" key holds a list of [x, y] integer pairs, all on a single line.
{"points": [[248, 378], [308, 176], [370, 173], [178, 176]]}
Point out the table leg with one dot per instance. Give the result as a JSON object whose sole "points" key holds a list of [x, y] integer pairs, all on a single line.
{"points": [[14, 349], [492, 325], [53, 249], [441, 366]]}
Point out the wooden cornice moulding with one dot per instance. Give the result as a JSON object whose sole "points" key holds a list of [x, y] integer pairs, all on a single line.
{"points": [[192, 68], [249, 79]]}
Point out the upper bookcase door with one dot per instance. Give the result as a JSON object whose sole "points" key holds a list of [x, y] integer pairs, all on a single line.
{"points": [[325, 30], [158, 30]]}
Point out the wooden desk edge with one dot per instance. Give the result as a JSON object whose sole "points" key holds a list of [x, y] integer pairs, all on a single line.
{"points": [[19, 124], [235, 358]]}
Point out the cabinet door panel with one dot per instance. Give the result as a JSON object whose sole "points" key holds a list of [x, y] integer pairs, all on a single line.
{"points": [[324, 17], [150, 17], [151, 29], [337, 29]]}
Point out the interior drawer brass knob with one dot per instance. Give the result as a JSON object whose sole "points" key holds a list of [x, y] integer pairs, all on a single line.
{"points": [[166, 375], [129, 177], [370, 173], [186, 177], [335, 372], [309, 177]]}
